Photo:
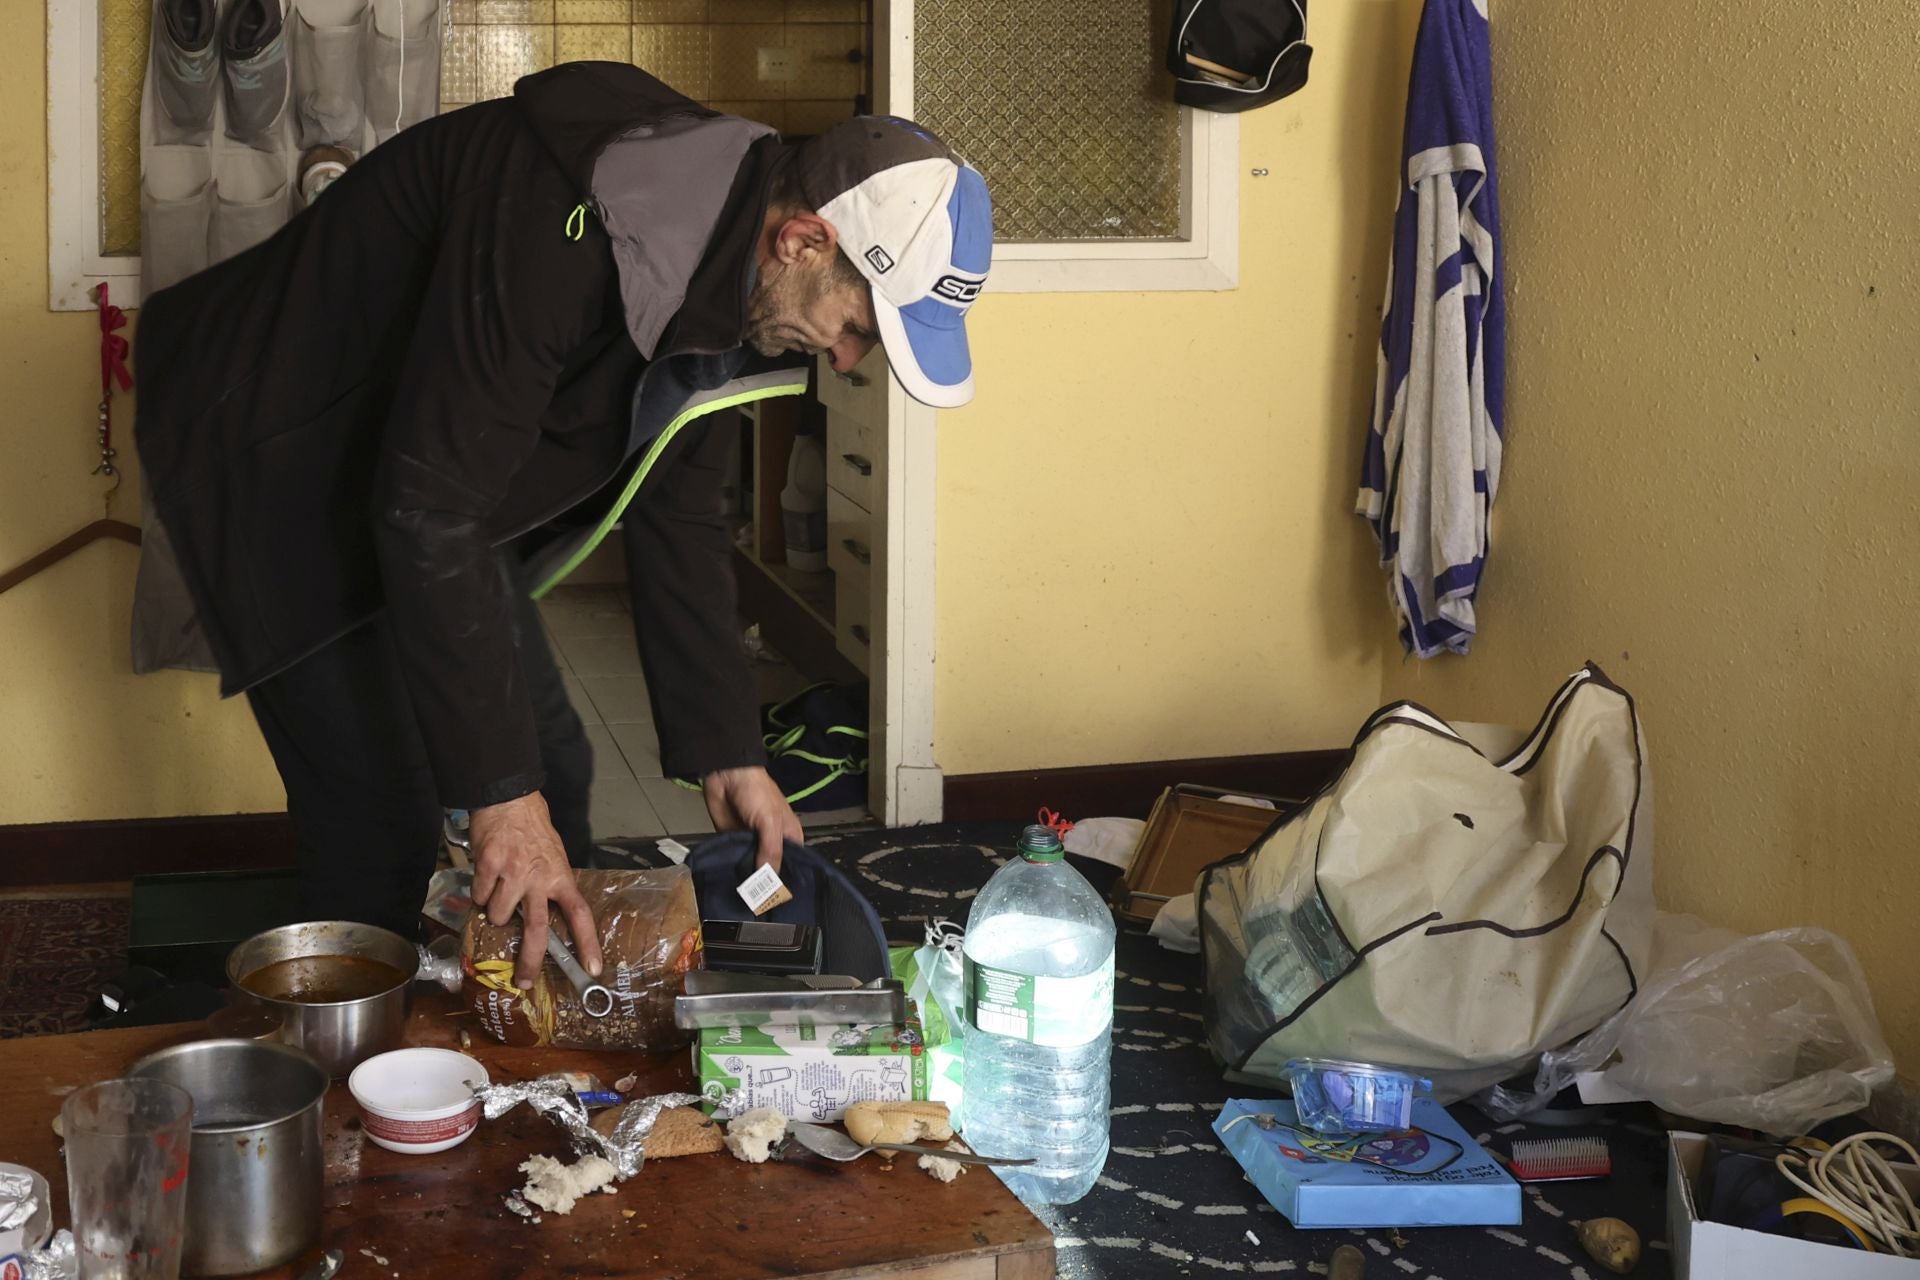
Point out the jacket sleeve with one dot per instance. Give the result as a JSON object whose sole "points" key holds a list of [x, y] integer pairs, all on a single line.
{"points": [[501, 312], [686, 608]]}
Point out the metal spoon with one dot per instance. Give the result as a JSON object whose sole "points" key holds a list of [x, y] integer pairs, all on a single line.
{"points": [[835, 1145]]}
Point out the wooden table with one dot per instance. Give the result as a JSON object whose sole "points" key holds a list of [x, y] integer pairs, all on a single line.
{"points": [[708, 1217]]}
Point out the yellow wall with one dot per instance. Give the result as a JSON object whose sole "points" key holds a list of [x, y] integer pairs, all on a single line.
{"points": [[1714, 443], [80, 736], [1146, 546]]}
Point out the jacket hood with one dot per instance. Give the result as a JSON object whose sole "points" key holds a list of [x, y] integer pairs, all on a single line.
{"points": [[578, 107], [672, 183]]}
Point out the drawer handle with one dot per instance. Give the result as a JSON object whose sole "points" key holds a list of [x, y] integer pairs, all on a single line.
{"points": [[851, 379], [857, 550], [858, 463], [860, 633]]}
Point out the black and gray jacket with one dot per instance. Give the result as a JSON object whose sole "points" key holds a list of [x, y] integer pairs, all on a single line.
{"points": [[502, 326]]}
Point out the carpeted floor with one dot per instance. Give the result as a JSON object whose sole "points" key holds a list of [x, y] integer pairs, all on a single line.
{"points": [[1171, 1204], [54, 953]]}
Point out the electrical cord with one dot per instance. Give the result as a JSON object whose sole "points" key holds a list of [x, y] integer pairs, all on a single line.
{"points": [[1855, 1180]]}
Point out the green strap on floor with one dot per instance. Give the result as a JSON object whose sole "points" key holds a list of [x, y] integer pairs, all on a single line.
{"points": [[781, 746]]}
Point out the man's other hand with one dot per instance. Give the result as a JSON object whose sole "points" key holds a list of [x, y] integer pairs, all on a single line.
{"points": [[748, 799], [519, 863]]}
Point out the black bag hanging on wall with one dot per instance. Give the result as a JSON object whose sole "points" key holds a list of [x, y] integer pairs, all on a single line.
{"points": [[1234, 55]]}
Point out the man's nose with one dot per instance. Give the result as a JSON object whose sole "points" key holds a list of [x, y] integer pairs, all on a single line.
{"points": [[848, 352]]}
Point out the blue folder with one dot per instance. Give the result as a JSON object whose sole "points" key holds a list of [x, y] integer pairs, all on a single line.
{"points": [[1434, 1175]]}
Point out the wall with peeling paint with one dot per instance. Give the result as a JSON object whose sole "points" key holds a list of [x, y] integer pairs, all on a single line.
{"points": [[1713, 287]]}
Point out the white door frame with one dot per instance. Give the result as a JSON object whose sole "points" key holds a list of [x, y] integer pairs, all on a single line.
{"points": [[907, 785], [907, 780]]}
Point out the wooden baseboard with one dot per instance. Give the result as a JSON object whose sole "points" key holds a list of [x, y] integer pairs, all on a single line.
{"points": [[1129, 790], [91, 852]]}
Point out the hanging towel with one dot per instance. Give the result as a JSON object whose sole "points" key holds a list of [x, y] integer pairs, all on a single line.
{"points": [[1432, 463]]}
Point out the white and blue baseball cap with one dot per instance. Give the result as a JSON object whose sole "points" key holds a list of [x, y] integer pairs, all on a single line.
{"points": [[916, 220]]}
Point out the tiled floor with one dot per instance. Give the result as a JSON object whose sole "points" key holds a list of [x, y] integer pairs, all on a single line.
{"points": [[592, 633]]}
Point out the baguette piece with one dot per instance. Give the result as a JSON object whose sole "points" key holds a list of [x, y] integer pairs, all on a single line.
{"points": [[870, 1122]]}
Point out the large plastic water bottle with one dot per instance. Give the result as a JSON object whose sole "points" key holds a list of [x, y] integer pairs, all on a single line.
{"points": [[1039, 999]]}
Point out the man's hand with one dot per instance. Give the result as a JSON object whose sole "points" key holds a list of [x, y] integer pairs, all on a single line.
{"points": [[519, 862], [749, 799]]}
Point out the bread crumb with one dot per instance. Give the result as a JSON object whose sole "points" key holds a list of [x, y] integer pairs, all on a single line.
{"points": [[942, 1168], [556, 1187], [751, 1135]]}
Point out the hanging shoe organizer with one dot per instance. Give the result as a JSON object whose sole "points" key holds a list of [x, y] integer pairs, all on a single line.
{"points": [[239, 91]]}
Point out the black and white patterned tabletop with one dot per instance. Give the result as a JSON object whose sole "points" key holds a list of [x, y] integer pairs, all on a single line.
{"points": [[1171, 1202]]}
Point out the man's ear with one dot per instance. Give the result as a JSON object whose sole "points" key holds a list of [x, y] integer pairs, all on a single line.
{"points": [[802, 234]]}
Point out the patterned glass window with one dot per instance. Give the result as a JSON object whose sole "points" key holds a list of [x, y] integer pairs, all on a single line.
{"points": [[123, 70], [1062, 106]]}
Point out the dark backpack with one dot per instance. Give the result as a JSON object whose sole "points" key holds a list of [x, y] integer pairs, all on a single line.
{"points": [[852, 940], [1234, 55]]}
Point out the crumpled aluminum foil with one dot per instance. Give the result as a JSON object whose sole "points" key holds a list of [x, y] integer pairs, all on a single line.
{"points": [[17, 1200], [58, 1261], [554, 1097]]}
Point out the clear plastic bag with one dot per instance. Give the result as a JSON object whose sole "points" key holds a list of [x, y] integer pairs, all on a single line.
{"points": [[935, 989], [649, 938], [1774, 1032]]}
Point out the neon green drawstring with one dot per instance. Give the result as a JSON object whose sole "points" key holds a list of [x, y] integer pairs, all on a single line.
{"points": [[577, 222]]}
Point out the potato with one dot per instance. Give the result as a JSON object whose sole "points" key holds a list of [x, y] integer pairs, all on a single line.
{"points": [[1611, 1243]]}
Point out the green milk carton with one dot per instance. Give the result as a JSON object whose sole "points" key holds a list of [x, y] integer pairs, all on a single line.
{"points": [[810, 1072]]}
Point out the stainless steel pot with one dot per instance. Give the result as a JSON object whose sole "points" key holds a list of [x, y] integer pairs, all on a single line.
{"points": [[254, 1183], [343, 1034]]}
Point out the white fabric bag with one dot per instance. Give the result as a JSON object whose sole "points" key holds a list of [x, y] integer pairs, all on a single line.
{"points": [[1437, 909]]}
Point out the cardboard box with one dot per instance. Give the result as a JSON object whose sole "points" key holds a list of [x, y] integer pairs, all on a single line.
{"points": [[1189, 828], [810, 1073], [1714, 1251], [1436, 1176]]}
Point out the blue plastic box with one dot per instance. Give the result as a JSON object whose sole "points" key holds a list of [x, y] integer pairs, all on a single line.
{"points": [[1333, 1096], [1436, 1175]]}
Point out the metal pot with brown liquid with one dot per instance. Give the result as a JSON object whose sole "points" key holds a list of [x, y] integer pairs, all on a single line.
{"points": [[341, 989]]}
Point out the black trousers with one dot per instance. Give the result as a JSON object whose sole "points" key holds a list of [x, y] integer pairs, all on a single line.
{"points": [[365, 812]]}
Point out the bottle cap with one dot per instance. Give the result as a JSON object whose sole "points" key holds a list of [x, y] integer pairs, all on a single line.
{"points": [[1041, 844]]}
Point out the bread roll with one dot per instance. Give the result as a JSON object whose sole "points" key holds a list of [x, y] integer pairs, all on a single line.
{"points": [[870, 1122]]}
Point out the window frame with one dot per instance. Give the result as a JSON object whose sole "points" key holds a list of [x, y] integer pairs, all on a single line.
{"points": [[1204, 256], [74, 261]]}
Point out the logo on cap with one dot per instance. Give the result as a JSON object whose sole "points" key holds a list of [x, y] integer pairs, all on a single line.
{"points": [[956, 289], [880, 259]]}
